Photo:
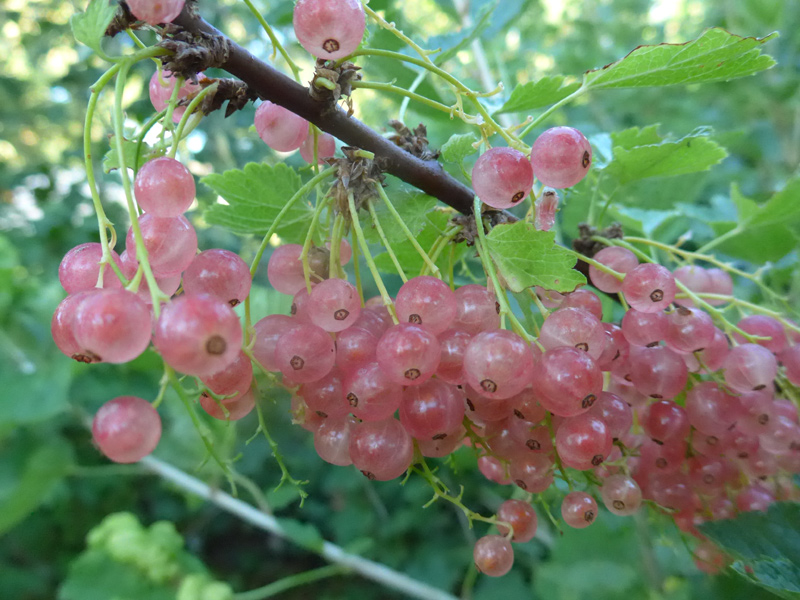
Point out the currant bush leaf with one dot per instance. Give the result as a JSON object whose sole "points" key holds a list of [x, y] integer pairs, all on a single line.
{"points": [[43, 471], [459, 147], [454, 42], [693, 153], [412, 207], [783, 207], [768, 543], [89, 27], [527, 257], [716, 55], [539, 93], [635, 136], [129, 149], [255, 195]]}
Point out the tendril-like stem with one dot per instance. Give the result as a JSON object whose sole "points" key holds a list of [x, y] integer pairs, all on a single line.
{"points": [[382, 235], [285, 476]]}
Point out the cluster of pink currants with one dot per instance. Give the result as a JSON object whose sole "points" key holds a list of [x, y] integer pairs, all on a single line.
{"points": [[156, 13], [560, 158], [196, 333]]}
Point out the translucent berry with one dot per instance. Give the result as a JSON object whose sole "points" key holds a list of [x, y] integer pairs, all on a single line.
{"points": [[164, 187], [569, 381], [621, 495], [532, 472], [198, 335], [285, 269], [305, 353], [644, 329], [112, 325], [171, 243], [649, 288], [574, 328], [332, 441], [493, 470], [267, 333], [233, 379], [665, 421], [126, 429], [750, 367], [381, 450], [586, 300], [230, 409], [493, 555], [279, 128], [162, 86], [477, 309], [326, 148], [499, 364], [763, 326], [426, 301], [521, 516], [441, 447], [80, 269], [615, 412], [583, 441], [432, 410], [62, 328], [689, 330], [220, 273], [618, 259], [408, 354], [579, 510], [561, 157], [791, 360], [329, 29], [502, 177], [658, 372], [710, 410], [720, 283], [155, 13], [371, 393], [334, 305]]}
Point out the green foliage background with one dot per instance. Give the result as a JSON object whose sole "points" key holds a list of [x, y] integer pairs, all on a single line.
{"points": [[54, 487]]}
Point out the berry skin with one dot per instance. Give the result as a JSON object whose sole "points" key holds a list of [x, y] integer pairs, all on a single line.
{"points": [[164, 187], [476, 309], [649, 288], [80, 269], [426, 301], [126, 429], [381, 450], [408, 354], [220, 273], [764, 326], [161, 89], [502, 177], [198, 335], [329, 29], [498, 364], [575, 328], [171, 243], [569, 381], [561, 157], [112, 325], [334, 305], [579, 510], [658, 372], [546, 207], [493, 555], [621, 495], [689, 330], [62, 328], [279, 128], [305, 353], [750, 367], [370, 394], [620, 260], [521, 516], [156, 12], [583, 442], [285, 269], [332, 441], [665, 421], [432, 410], [230, 409], [326, 148]]}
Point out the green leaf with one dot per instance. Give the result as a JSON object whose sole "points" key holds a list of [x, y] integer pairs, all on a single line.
{"points": [[783, 207], [768, 543], [111, 158], [693, 153], [539, 93], [302, 534], [459, 147], [527, 257], [39, 387], [635, 136], [94, 574], [255, 196], [89, 27], [715, 56], [767, 243], [42, 472], [412, 207]]}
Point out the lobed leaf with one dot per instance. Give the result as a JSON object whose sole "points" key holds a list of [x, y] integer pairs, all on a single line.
{"points": [[527, 257], [539, 93], [412, 207], [255, 196], [89, 27], [459, 147], [716, 55]]}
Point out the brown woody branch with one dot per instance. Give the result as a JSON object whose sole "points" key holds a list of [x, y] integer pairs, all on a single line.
{"points": [[270, 84]]}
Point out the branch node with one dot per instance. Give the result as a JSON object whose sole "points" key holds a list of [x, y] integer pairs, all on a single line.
{"points": [[341, 76], [357, 174], [414, 142], [193, 52], [469, 229], [588, 247]]}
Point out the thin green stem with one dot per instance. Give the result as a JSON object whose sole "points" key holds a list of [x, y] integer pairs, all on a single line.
{"points": [[312, 230], [357, 268], [597, 265], [359, 233], [535, 123], [141, 251], [142, 133], [719, 239], [276, 45], [188, 113], [401, 115], [285, 476], [292, 581], [382, 235], [335, 266], [404, 228], [557, 458], [388, 87]]}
